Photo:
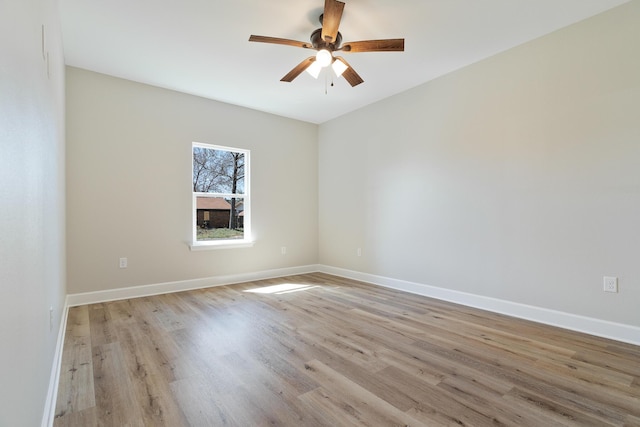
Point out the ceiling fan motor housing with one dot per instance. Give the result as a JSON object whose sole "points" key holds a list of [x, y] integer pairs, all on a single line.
{"points": [[318, 43]]}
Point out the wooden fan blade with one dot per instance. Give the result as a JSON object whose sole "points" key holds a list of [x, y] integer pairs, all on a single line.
{"points": [[386, 45], [350, 74], [298, 69], [276, 40], [331, 20]]}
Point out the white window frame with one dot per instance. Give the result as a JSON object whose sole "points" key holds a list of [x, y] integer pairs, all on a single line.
{"points": [[247, 240]]}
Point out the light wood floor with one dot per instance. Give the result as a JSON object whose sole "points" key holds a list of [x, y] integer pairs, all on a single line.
{"points": [[334, 352]]}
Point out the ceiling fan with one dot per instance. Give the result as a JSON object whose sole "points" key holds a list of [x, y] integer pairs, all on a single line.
{"points": [[327, 40]]}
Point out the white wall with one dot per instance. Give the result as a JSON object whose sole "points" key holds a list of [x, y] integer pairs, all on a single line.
{"points": [[516, 178], [32, 252], [129, 184]]}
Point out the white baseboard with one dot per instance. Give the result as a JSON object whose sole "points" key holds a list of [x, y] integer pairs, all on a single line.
{"points": [[183, 285], [602, 328], [50, 404]]}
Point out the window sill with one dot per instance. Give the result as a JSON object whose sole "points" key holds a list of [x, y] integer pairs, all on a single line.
{"points": [[226, 244]]}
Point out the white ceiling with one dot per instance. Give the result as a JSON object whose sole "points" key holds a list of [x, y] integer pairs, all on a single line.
{"points": [[201, 47]]}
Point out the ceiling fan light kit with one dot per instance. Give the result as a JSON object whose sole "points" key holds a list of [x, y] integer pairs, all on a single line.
{"points": [[316, 66], [314, 69], [327, 40], [324, 57], [339, 67]]}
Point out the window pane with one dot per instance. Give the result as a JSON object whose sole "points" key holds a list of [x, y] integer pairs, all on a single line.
{"points": [[219, 218], [218, 171]]}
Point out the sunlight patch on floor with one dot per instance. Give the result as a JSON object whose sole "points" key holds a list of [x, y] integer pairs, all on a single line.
{"points": [[284, 288]]}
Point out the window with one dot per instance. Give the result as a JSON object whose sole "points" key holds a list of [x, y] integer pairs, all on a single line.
{"points": [[221, 206]]}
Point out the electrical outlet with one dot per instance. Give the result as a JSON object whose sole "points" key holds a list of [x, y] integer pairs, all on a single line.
{"points": [[124, 263], [50, 318], [610, 284], [359, 252], [283, 250]]}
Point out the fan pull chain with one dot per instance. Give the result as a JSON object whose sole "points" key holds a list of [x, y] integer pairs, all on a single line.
{"points": [[326, 79]]}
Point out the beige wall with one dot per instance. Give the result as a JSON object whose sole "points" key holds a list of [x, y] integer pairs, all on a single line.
{"points": [[129, 184], [32, 252], [516, 178]]}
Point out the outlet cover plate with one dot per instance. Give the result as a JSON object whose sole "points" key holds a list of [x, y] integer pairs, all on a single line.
{"points": [[610, 284]]}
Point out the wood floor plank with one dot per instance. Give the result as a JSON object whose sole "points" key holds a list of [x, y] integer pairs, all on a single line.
{"points": [[150, 377], [272, 399], [84, 417], [115, 403], [76, 370], [101, 325], [355, 402], [202, 403], [631, 421], [320, 403], [612, 360], [557, 412], [333, 352]]}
